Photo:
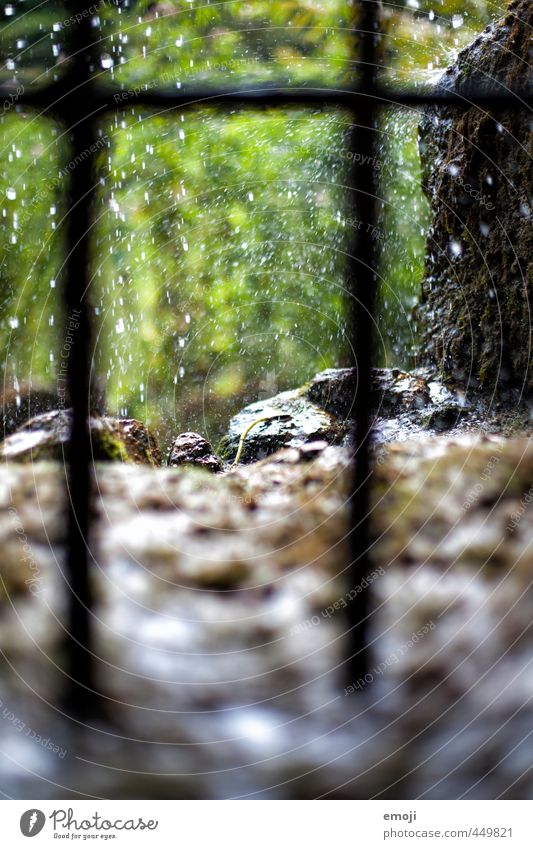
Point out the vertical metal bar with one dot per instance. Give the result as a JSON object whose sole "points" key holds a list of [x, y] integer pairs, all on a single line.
{"points": [[78, 643], [363, 283]]}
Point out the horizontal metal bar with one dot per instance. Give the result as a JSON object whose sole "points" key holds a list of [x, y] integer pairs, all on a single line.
{"points": [[55, 98]]}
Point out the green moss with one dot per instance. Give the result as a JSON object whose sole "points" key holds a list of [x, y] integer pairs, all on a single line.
{"points": [[108, 446]]}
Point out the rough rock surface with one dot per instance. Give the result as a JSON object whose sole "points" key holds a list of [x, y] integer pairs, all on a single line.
{"points": [[394, 391], [44, 438], [219, 629], [192, 449], [478, 290], [404, 404], [288, 419], [139, 441]]}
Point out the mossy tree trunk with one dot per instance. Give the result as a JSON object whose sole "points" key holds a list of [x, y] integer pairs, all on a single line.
{"points": [[477, 303]]}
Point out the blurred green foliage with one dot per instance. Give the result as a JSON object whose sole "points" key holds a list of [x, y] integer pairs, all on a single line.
{"points": [[220, 256], [219, 238]]}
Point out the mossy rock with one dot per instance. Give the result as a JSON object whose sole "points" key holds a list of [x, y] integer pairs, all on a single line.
{"points": [[322, 409], [45, 437], [301, 421]]}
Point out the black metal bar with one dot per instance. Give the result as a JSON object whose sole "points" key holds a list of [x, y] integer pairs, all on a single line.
{"points": [[363, 284], [54, 98], [79, 645]]}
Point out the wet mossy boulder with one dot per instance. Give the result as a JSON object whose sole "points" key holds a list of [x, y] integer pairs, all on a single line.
{"points": [[478, 288], [322, 410], [289, 419], [44, 437], [139, 441], [393, 391]]}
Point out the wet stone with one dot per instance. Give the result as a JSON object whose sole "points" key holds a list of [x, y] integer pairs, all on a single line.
{"points": [[288, 420], [403, 404], [192, 449], [139, 441], [45, 437]]}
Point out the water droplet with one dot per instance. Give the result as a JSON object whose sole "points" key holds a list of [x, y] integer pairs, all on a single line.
{"points": [[13, 323], [9, 10], [456, 248], [457, 21], [11, 194], [119, 326]]}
